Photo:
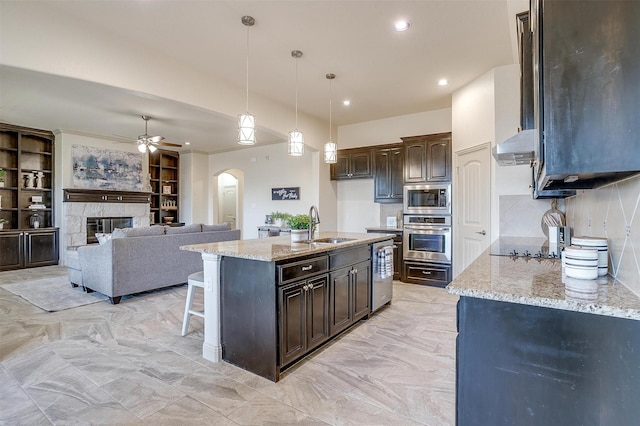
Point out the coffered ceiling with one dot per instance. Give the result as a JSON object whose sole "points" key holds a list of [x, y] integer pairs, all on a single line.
{"points": [[384, 73]]}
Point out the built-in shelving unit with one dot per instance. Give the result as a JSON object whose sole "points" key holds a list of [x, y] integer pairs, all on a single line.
{"points": [[26, 198], [164, 168]]}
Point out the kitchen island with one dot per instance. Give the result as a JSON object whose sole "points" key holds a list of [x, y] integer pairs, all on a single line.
{"points": [[535, 348], [269, 302]]}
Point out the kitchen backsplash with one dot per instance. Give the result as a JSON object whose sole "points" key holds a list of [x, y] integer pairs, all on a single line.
{"points": [[521, 215], [613, 212]]}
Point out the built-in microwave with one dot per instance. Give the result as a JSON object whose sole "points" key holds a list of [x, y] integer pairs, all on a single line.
{"points": [[427, 199]]}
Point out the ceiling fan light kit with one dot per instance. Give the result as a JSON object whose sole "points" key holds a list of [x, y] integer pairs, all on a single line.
{"points": [[146, 142], [296, 138], [246, 121]]}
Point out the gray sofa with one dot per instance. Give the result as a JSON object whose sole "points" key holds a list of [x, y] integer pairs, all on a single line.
{"points": [[148, 258]]}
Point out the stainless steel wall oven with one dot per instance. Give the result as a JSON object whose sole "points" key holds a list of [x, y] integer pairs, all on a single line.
{"points": [[427, 238]]}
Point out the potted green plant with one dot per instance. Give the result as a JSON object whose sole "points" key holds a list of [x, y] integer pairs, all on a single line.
{"points": [[279, 218], [1, 178], [2, 222], [299, 225]]}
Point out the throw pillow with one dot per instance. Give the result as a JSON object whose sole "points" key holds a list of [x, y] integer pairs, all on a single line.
{"points": [[189, 229], [143, 231], [103, 238], [225, 226]]}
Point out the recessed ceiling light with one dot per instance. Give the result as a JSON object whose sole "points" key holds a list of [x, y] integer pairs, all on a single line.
{"points": [[346, 102], [401, 25], [187, 143], [443, 82]]}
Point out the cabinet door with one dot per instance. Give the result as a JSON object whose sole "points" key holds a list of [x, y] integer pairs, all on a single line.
{"points": [[388, 175], [317, 311], [439, 160], [340, 303], [361, 164], [361, 284], [292, 322], [340, 170], [11, 253], [41, 248], [415, 162]]}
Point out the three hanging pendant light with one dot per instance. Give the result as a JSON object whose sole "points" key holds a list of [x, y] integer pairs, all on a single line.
{"points": [[247, 122]]}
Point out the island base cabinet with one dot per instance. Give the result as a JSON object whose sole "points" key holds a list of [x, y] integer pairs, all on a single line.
{"points": [[525, 365], [350, 296], [304, 317]]}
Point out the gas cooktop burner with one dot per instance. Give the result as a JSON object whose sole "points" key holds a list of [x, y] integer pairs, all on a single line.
{"points": [[536, 248]]}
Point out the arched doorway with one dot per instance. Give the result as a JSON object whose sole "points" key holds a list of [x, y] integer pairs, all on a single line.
{"points": [[227, 197]]}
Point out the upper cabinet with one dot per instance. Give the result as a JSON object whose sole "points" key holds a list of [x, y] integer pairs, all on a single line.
{"points": [[427, 158], [352, 164], [388, 163], [586, 65], [164, 168]]}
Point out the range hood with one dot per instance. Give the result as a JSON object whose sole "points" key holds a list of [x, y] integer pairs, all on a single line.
{"points": [[516, 150]]}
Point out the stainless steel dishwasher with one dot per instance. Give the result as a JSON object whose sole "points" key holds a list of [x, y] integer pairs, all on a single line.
{"points": [[382, 286]]}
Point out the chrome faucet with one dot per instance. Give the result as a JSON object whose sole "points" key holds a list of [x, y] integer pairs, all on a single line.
{"points": [[313, 221]]}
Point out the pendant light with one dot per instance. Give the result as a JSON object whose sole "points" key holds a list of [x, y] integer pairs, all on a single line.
{"points": [[330, 148], [296, 138], [246, 121]]}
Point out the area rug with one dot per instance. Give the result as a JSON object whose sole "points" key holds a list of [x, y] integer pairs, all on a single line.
{"points": [[53, 294]]}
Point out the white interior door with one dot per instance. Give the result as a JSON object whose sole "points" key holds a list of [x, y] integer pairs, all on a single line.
{"points": [[473, 201], [228, 199]]}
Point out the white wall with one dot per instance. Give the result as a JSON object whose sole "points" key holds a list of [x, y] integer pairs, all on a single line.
{"points": [[355, 206], [390, 130], [269, 167], [194, 181]]}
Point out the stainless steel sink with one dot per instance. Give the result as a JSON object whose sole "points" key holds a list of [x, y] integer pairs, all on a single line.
{"points": [[325, 241], [332, 240]]}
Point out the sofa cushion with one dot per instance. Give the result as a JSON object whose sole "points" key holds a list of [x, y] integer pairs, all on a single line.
{"points": [[195, 227], [102, 237], [143, 231], [225, 226]]}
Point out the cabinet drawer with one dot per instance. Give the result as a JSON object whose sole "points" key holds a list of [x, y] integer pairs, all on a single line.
{"points": [[302, 269], [349, 256], [427, 273]]}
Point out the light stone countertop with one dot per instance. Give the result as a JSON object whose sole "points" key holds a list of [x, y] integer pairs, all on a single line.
{"points": [[385, 229], [540, 282], [281, 248]]}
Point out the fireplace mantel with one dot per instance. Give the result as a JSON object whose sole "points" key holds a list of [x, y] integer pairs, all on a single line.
{"points": [[78, 195]]}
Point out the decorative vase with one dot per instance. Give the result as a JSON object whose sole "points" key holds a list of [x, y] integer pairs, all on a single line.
{"points": [[1, 225], [299, 234]]}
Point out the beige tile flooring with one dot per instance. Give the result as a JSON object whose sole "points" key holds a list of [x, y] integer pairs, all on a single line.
{"points": [[128, 364]]}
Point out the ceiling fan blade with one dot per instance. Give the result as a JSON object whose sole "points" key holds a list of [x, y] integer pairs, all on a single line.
{"points": [[168, 144]]}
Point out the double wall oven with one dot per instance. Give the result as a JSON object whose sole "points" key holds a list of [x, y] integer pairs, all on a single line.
{"points": [[427, 233]]}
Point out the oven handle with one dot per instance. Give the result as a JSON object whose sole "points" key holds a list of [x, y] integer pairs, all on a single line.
{"points": [[427, 228]]}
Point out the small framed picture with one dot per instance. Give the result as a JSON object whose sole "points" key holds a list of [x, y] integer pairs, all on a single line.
{"points": [[166, 189]]}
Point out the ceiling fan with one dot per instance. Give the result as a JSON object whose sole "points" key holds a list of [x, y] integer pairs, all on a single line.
{"points": [[149, 142]]}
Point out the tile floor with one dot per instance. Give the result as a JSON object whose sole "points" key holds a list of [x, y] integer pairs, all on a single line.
{"points": [[128, 364]]}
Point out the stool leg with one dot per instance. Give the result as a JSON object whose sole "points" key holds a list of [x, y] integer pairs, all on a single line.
{"points": [[187, 308]]}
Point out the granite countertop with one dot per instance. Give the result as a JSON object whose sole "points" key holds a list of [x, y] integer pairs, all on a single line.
{"points": [[540, 282], [281, 248]]}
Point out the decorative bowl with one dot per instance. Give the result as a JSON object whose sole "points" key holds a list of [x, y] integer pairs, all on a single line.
{"points": [[168, 219]]}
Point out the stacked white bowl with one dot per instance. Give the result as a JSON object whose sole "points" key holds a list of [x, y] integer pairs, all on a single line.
{"points": [[598, 243], [581, 263]]}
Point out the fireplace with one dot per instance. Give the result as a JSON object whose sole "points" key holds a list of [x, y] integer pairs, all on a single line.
{"points": [[105, 225]]}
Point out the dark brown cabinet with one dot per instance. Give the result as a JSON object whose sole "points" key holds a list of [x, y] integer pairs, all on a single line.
{"points": [[350, 296], [588, 60], [28, 249], [352, 164], [434, 274], [28, 237], [304, 317], [388, 174], [427, 158], [164, 168]]}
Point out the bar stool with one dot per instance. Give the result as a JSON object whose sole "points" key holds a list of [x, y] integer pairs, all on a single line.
{"points": [[195, 280]]}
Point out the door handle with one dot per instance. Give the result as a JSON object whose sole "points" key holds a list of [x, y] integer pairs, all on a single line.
{"points": [[483, 232]]}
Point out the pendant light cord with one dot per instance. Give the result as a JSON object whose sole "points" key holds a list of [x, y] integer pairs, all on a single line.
{"points": [[296, 93], [247, 69], [330, 98]]}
